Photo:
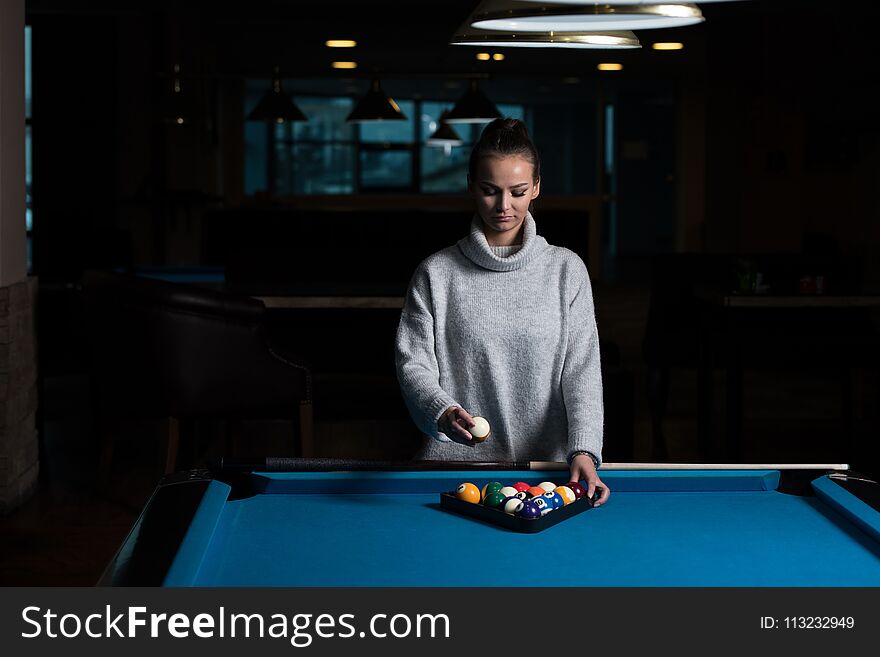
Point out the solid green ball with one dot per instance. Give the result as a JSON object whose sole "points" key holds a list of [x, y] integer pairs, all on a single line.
{"points": [[494, 499]]}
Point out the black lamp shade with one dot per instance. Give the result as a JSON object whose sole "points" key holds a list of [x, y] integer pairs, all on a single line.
{"points": [[473, 107], [376, 106], [276, 106], [445, 134]]}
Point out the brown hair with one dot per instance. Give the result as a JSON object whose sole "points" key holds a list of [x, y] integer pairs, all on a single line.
{"points": [[505, 137]]}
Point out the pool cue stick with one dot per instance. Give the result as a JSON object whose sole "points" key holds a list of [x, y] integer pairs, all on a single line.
{"points": [[281, 464], [554, 465], [724, 466], [292, 464]]}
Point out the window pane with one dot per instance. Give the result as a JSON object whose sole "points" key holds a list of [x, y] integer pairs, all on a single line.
{"points": [[325, 170], [392, 169], [392, 132], [27, 72], [28, 154], [256, 140], [256, 144], [316, 169], [444, 170], [253, 91], [513, 112], [326, 119]]}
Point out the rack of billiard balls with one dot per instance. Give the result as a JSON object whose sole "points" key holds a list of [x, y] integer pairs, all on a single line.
{"points": [[521, 506]]}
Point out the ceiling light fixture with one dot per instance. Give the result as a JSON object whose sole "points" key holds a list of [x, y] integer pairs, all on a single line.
{"points": [[605, 40], [520, 16], [610, 2], [275, 105], [473, 107], [445, 135], [667, 46], [344, 65], [376, 106], [610, 66], [340, 43]]}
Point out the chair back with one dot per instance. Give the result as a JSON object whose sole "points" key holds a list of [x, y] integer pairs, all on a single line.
{"points": [[166, 349]]}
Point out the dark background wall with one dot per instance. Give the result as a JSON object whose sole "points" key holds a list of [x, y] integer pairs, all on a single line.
{"points": [[760, 137], [762, 126]]}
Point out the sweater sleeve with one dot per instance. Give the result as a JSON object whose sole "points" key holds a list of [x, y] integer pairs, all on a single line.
{"points": [[415, 358], [581, 374]]}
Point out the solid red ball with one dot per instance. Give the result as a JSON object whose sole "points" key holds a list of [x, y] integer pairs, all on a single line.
{"points": [[578, 490]]}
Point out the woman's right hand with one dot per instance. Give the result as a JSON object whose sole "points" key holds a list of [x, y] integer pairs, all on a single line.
{"points": [[455, 423]]}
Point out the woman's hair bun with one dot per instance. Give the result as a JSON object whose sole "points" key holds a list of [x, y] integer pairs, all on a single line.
{"points": [[505, 137]]}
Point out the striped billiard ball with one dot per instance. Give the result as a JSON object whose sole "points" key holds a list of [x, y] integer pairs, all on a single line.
{"points": [[510, 505], [491, 487], [545, 505], [566, 493], [554, 499]]}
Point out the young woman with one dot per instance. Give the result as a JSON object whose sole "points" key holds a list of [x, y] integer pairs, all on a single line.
{"points": [[501, 325]]}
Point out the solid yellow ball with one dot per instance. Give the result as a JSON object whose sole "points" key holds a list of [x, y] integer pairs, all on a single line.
{"points": [[468, 492]]}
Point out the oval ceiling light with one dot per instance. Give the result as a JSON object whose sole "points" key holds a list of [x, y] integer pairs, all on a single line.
{"points": [[667, 45], [469, 36], [520, 16], [610, 66], [610, 2], [340, 43], [347, 65]]}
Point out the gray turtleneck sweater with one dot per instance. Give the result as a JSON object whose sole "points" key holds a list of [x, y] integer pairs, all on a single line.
{"points": [[508, 334]]}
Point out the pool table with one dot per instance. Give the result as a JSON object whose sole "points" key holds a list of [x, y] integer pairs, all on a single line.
{"points": [[384, 527]]}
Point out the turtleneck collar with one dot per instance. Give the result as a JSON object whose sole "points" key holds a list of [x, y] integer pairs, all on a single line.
{"points": [[476, 248]]}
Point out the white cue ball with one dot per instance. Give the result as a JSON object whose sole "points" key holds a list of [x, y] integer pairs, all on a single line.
{"points": [[480, 431]]}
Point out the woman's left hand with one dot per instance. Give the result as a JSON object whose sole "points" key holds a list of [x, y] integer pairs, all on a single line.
{"points": [[582, 468]]}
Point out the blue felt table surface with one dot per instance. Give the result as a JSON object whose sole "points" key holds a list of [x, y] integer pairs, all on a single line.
{"points": [[658, 529]]}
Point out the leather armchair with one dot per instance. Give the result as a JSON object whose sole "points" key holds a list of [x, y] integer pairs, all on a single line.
{"points": [[179, 352]]}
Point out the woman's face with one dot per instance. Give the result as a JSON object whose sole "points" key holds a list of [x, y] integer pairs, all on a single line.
{"points": [[502, 190]]}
